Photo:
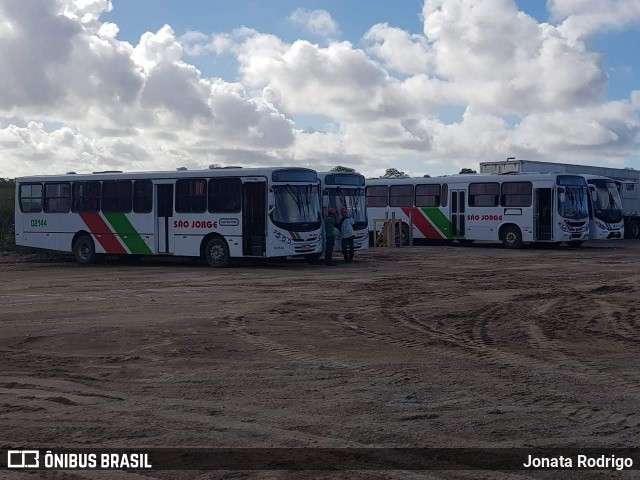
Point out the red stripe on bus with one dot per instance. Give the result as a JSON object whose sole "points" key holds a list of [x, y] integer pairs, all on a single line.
{"points": [[422, 224], [103, 234]]}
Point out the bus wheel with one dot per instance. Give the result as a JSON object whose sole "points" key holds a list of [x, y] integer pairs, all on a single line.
{"points": [[575, 243], [217, 253], [512, 237], [84, 250], [403, 235], [634, 230]]}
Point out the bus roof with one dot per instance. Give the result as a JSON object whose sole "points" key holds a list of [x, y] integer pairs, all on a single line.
{"points": [[470, 178], [206, 173]]}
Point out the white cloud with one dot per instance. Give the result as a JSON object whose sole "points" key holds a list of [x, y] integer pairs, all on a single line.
{"points": [[497, 58], [316, 22], [583, 18], [399, 50], [78, 98]]}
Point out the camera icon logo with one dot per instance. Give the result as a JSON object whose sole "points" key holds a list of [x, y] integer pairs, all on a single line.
{"points": [[23, 459]]}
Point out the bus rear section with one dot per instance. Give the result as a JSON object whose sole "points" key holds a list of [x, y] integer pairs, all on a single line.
{"points": [[217, 215]]}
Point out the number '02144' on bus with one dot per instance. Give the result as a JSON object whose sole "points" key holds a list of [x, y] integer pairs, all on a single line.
{"points": [[512, 209], [217, 214]]}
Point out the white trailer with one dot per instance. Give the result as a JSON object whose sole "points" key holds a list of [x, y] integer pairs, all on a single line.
{"points": [[626, 179]]}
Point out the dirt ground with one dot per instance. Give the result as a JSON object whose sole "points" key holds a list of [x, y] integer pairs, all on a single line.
{"points": [[431, 346]]}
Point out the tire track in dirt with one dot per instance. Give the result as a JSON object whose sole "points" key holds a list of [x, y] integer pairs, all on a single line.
{"points": [[486, 348], [237, 327]]}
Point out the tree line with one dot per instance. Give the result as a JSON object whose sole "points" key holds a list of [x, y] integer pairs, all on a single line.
{"points": [[392, 172]]}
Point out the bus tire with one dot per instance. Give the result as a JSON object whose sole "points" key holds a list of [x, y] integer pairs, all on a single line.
{"points": [[511, 237], [84, 250], [575, 243], [216, 253], [634, 229], [402, 237]]}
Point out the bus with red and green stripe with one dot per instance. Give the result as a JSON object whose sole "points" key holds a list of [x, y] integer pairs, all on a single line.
{"points": [[513, 209], [216, 214]]}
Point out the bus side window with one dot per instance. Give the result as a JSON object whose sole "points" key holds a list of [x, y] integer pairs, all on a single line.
{"points": [[142, 196], [31, 197], [444, 197], [116, 196], [191, 195], [401, 196], [516, 194], [225, 195], [377, 195], [57, 197], [85, 197], [484, 194], [427, 195]]}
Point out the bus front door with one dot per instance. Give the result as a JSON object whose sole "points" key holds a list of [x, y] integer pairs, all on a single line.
{"points": [[164, 217], [543, 214], [458, 203], [254, 218]]}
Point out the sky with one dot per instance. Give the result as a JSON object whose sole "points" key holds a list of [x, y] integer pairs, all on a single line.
{"points": [[428, 87]]}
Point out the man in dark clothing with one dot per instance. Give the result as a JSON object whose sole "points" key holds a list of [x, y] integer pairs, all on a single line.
{"points": [[330, 237]]}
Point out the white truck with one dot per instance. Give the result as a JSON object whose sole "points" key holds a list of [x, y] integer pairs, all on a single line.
{"points": [[626, 179]]}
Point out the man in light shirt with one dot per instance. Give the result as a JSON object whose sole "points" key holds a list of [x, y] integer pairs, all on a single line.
{"points": [[346, 233]]}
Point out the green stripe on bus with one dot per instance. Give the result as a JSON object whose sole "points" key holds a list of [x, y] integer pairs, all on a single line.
{"points": [[131, 238], [439, 219]]}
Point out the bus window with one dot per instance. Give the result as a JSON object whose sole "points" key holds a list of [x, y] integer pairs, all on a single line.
{"points": [[142, 196], [377, 196], [444, 197], [85, 197], [31, 197], [516, 194], [401, 196], [116, 196], [484, 194], [427, 195], [225, 195], [191, 195], [57, 197]]}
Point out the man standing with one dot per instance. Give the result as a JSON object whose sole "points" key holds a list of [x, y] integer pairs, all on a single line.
{"points": [[346, 232], [330, 237]]}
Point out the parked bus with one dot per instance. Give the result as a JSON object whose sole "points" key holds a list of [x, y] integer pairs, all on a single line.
{"points": [[627, 180], [346, 190], [605, 208], [216, 214], [512, 209]]}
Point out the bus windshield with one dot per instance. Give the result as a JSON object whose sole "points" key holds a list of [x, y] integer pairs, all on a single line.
{"points": [[353, 199], [608, 204], [573, 202], [297, 207]]}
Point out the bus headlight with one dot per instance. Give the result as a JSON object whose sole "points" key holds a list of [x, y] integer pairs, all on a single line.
{"points": [[600, 225], [563, 226]]}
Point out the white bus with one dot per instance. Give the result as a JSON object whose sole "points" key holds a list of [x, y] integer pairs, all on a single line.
{"points": [[346, 190], [512, 209], [605, 208], [216, 214], [626, 179]]}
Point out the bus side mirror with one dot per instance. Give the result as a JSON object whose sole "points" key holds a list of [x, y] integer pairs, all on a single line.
{"points": [[325, 199], [594, 196], [561, 195]]}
